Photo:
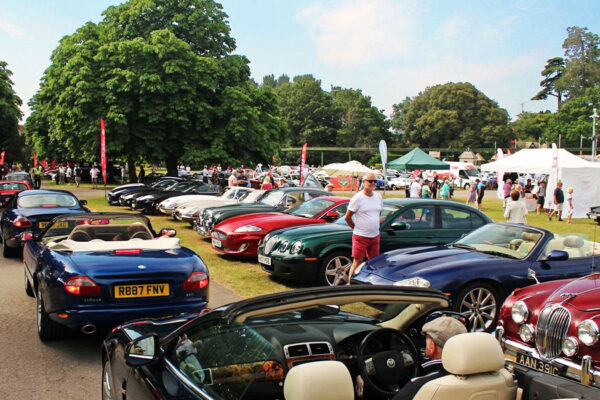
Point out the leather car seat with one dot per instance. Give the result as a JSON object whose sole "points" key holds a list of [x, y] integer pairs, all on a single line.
{"points": [[554, 244], [529, 241], [82, 233], [322, 380], [573, 246], [473, 377]]}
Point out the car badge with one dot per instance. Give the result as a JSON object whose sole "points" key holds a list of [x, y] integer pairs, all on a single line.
{"points": [[141, 267], [391, 362]]}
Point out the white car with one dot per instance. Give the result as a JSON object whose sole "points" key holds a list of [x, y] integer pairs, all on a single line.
{"points": [[399, 182], [230, 195], [189, 211]]}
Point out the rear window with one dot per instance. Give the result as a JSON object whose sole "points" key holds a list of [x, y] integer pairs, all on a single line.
{"points": [[49, 200], [13, 186]]}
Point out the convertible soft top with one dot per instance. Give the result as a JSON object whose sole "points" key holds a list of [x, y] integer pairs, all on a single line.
{"points": [[98, 245]]}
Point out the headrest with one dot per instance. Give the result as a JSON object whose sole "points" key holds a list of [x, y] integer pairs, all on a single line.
{"points": [[462, 354], [323, 380], [100, 245], [530, 236], [573, 241]]}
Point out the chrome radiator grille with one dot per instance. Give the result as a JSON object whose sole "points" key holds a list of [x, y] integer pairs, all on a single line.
{"points": [[551, 330]]}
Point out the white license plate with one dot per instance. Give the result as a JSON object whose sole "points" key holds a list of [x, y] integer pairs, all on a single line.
{"points": [[264, 259], [217, 243]]}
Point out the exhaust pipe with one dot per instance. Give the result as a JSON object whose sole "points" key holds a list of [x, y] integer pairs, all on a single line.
{"points": [[88, 329]]}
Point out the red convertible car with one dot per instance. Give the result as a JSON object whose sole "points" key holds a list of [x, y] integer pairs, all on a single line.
{"points": [[8, 188], [241, 234], [550, 337]]}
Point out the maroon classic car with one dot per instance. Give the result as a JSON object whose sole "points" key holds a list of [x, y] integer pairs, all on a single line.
{"points": [[550, 336], [241, 234]]}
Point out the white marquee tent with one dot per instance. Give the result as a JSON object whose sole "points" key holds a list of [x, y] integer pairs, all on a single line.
{"points": [[583, 176]]}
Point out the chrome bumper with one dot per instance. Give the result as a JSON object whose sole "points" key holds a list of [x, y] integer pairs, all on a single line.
{"points": [[166, 211], [583, 373]]}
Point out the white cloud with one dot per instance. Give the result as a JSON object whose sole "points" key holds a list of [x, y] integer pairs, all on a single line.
{"points": [[13, 30], [356, 33]]}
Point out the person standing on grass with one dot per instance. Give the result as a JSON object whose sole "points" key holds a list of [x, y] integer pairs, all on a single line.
{"points": [[480, 193], [541, 197], [515, 210], [472, 196], [77, 173], [94, 172], [559, 199], [142, 174], [363, 217], [415, 188], [445, 191], [569, 207]]}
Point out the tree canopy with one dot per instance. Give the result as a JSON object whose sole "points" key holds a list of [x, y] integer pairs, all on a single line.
{"points": [[552, 73], [10, 114], [582, 62]]}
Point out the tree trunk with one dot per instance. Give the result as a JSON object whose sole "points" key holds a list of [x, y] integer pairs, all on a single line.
{"points": [[172, 165], [131, 168]]}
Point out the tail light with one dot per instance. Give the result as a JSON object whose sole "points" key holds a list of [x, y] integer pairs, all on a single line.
{"points": [[82, 285], [127, 251], [22, 222], [196, 281]]}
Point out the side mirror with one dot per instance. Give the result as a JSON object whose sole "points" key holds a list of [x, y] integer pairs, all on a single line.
{"points": [[557, 255], [169, 232], [531, 275], [26, 236], [142, 351], [83, 202], [400, 226], [332, 215]]}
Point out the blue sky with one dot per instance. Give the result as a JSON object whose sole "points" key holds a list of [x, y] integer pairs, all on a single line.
{"points": [[388, 48]]}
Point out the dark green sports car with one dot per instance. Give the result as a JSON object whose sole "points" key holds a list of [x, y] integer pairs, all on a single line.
{"points": [[322, 253]]}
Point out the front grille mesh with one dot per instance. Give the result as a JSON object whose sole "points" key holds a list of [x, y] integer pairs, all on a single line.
{"points": [[551, 330]]}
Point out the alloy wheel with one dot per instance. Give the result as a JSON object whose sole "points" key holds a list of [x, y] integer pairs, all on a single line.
{"points": [[479, 306], [336, 272]]}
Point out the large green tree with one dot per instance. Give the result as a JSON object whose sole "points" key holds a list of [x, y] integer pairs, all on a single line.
{"points": [[582, 58], [530, 126], [10, 114], [552, 72], [455, 115], [397, 119], [573, 120]]}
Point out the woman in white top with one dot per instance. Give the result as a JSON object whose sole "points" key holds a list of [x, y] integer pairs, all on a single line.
{"points": [[515, 210], [568, 212]]}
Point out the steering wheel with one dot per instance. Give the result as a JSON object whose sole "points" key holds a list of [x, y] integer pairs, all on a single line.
{"points": [[395, 362]]}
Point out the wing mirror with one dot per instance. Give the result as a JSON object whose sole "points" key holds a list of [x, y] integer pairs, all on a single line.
{"points": [[531, 275], [557, 255], [26, 236], [399, 226], [168, 232], [83, 202], [332, 216], [144, 350]]}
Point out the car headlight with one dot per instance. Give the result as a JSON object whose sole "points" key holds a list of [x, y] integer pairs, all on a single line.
{"points": [[519, 312], [526, 332], [284, 246], [414, 282], [569, 347], [359, 268], [588, 332], [296, 247], [247, 228]]}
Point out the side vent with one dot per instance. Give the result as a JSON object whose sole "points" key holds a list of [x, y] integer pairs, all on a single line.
{"points": [[307, 349], [297, 350], [319, 348]]}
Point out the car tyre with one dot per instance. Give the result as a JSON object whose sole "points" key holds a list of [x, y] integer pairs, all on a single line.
{"points": [[8, 252], [466, 186], [28, 288], [48, 330], [334, 269], [480, 303], [107, 381], [393, 187]]}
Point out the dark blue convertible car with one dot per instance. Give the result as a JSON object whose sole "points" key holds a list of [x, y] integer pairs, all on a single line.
{"points": [[480, 270], [97, 269]]}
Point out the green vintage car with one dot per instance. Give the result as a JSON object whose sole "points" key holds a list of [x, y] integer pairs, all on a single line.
{"points": [[322, 253]]}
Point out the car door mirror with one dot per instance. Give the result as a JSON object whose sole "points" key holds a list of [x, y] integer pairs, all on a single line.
{"points": [[168, 232], [532, 275], [331, 216], [83, 202], [142, 351], [400, 226], [557, 255]]}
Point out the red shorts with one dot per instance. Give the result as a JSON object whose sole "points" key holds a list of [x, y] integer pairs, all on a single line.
{"points": [[364, 247]]}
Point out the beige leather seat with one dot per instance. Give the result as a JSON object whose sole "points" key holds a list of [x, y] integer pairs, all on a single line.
{"points": [[574, 246], [476, 364], [319, 380], [528, 243]]}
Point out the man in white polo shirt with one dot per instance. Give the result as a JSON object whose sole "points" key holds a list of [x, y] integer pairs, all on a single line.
{"points": [[363, 216]]}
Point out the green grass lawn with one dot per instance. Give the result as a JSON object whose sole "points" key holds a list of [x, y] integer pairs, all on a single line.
{"points": [[245, 277]]}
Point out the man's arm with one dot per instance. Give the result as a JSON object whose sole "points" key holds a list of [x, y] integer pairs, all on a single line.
{"points": [[348, 218]]}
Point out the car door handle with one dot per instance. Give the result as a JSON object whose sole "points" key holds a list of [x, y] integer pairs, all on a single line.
{"points": [[428, 237]]}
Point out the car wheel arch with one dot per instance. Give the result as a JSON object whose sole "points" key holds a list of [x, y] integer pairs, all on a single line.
{"points": [[333, 248], [495, 284]]}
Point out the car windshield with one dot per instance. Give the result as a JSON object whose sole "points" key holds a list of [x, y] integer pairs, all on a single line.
{"points": [[85, 228], [473, 172], [252, 196], [12, 186], [509, 241], [163, 184], [184, 185], [229, 193], [385, 213], [226, 359], [310, 209], [272, 198], [49, 200]]}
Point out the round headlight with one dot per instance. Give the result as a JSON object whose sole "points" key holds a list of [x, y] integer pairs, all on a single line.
{"points": [[519, 312], [526, 333], [296, 247], [359, 268], [284, 246], [569, 347], [588, 332]]}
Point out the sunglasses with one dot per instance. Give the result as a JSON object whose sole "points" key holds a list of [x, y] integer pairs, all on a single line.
{"points": [[370, 180]]}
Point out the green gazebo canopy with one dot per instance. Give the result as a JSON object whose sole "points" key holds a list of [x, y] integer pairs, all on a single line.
{"points": [[417, 159]]}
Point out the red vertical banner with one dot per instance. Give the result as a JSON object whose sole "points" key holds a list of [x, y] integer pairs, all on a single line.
{"points": [[44, 163], [53, 165], [34, 160], [103, 149], [2, 157], [303, 162]]}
